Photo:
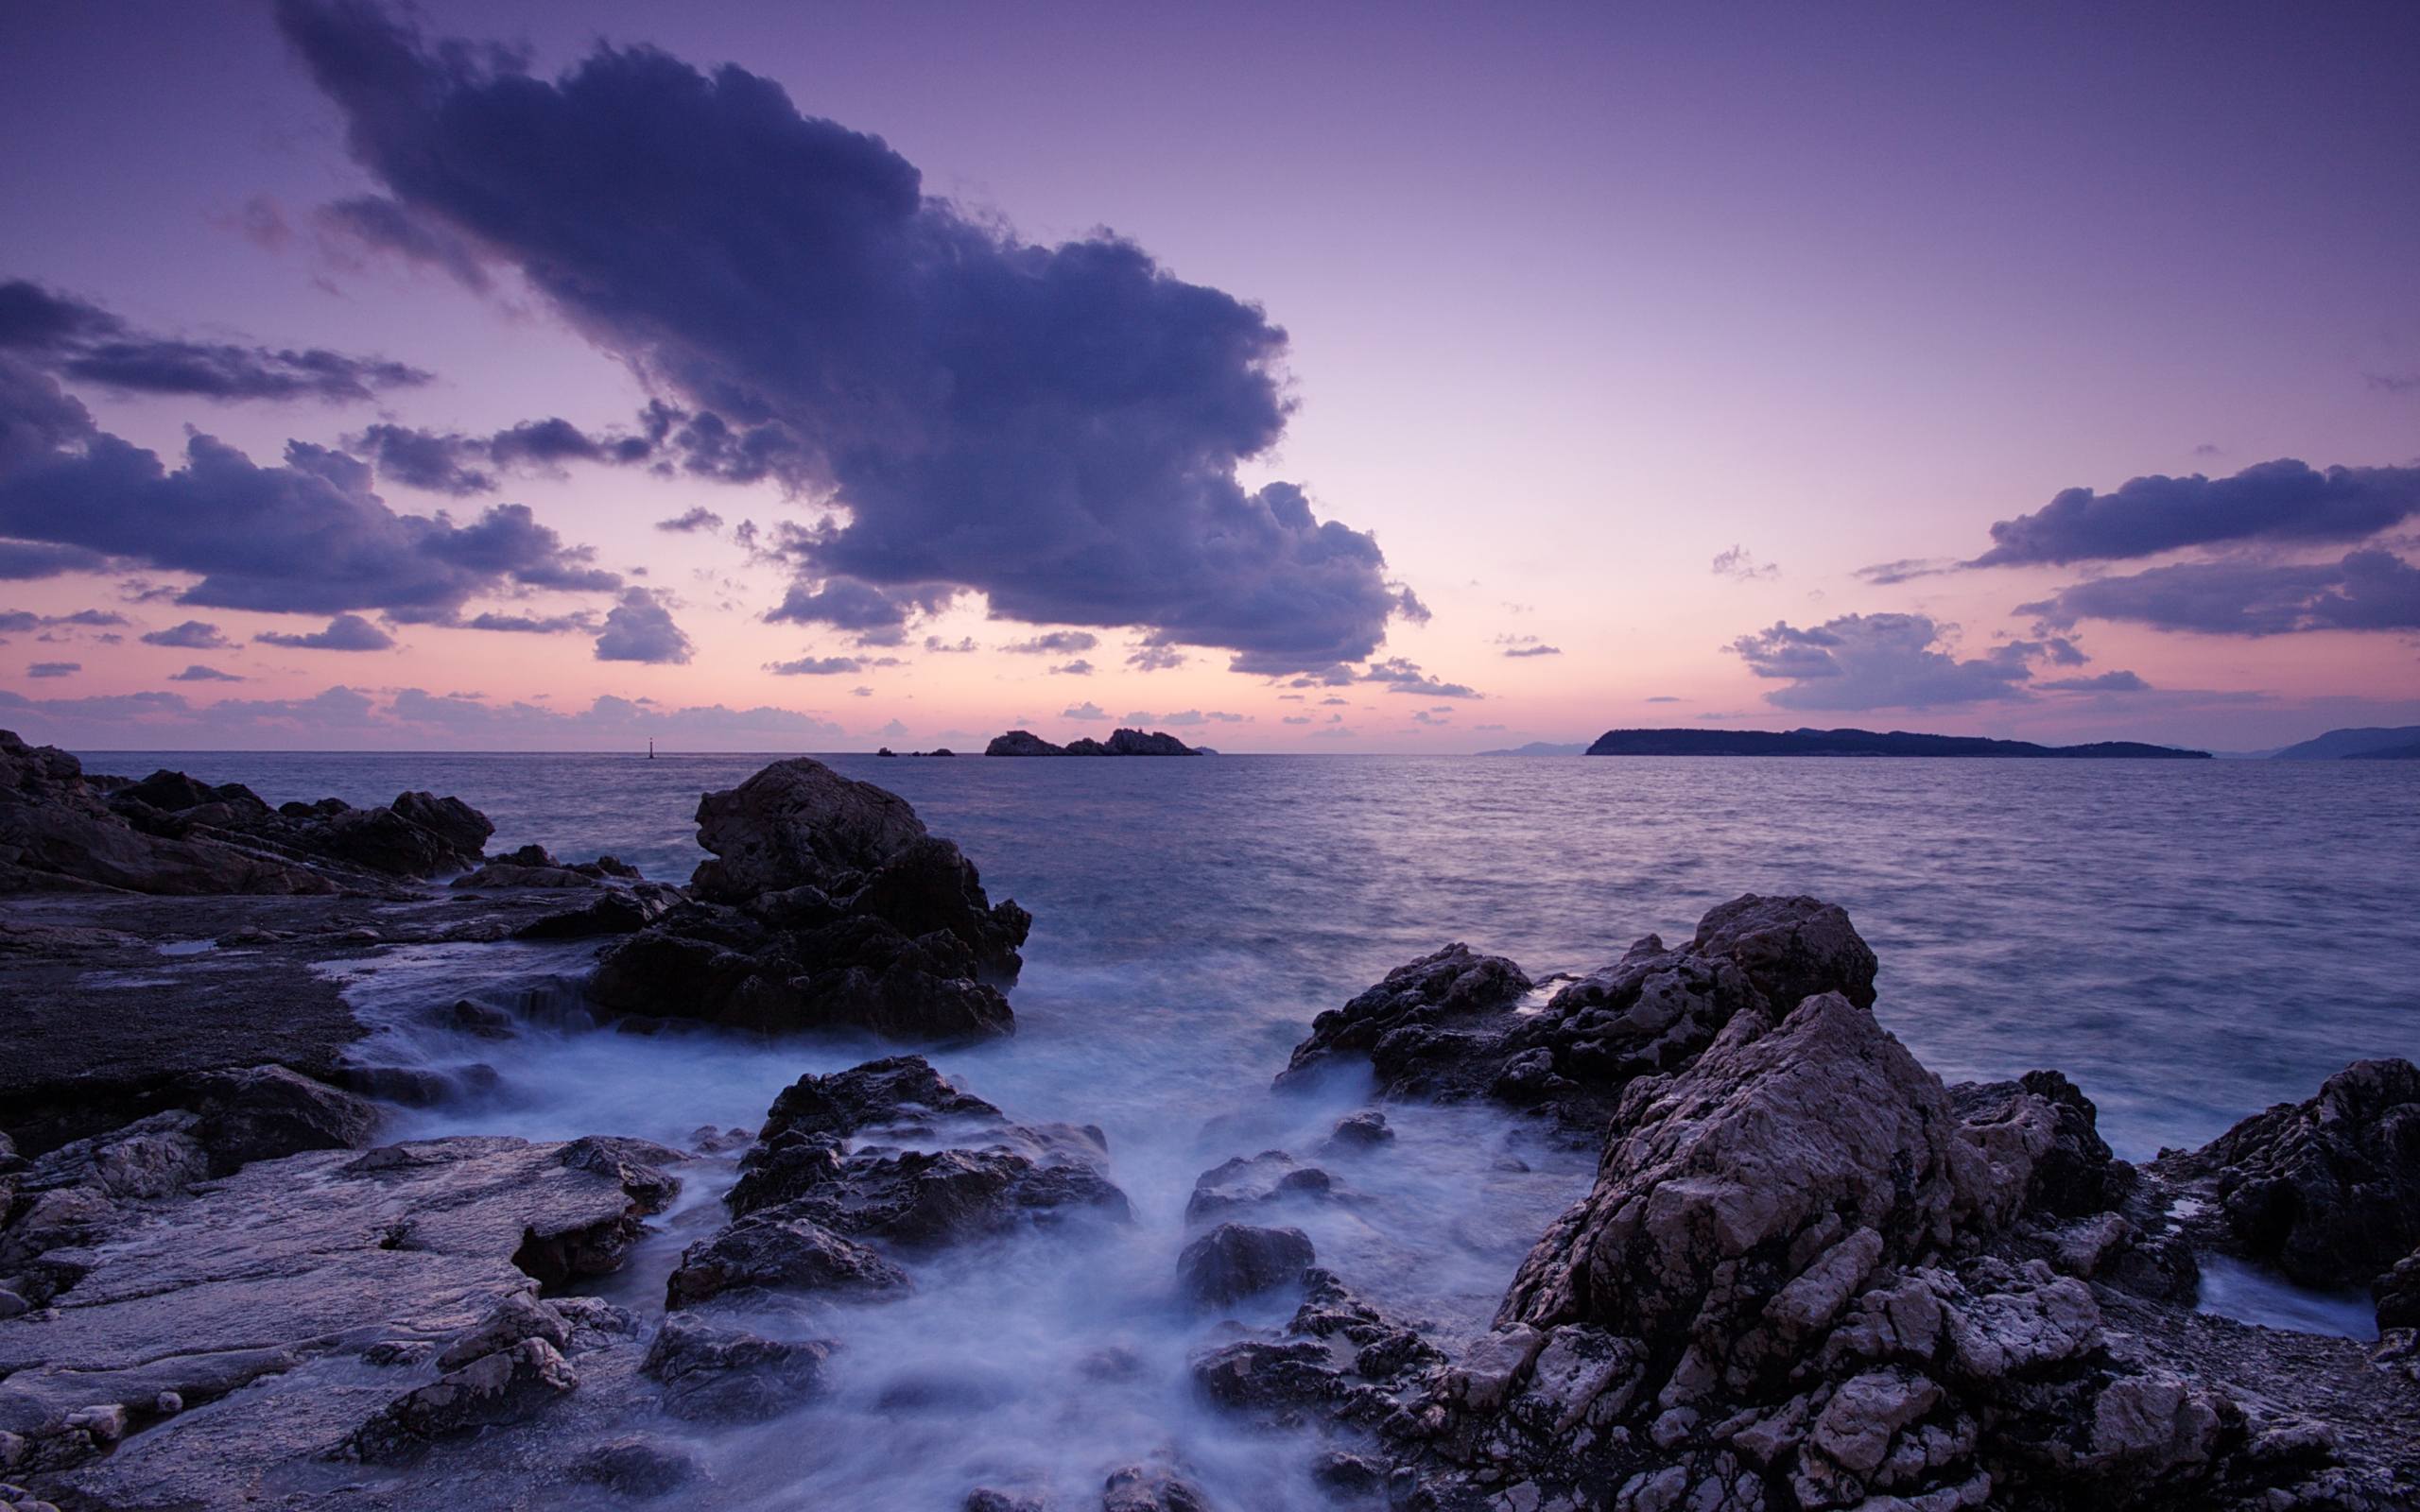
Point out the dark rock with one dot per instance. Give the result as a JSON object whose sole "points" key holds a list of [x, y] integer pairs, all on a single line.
{"points": [[510, 1386], [1414, 1006], [464, 829], [895, 1092], [1150, 1489], [2397, 1294], [1364, 1131], [713, 1372], [2327, 1189], [615, 912], [517, 1318], [636, 1468], [1250, 1182], [2074, 1174], [989, 1499], [1236, 1260], [480, 1020], [924, 1198], [1158, 743], [510, 874], [1022, 743], [773, 1252], [269, 1112], [798, 822]]}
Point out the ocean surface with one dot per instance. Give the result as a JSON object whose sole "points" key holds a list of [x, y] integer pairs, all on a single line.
{"points": [[2190, 942]]}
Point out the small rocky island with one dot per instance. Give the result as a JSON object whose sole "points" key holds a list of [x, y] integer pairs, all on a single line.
{"points": [[1863, 743], [1810, 1276], [1121, 743]]}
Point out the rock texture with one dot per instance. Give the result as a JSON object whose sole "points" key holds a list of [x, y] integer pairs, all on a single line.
{"points": [[61, 830], [1811, 1277], [1120, 742], [826, 906]]}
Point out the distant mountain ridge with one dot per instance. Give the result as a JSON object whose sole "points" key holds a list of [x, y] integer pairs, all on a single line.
{"points": [[1862, 743], [2398, 744], [1122, 743], [1543, 747]]}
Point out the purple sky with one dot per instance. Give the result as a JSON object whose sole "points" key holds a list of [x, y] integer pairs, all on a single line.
{"points": [[1641, 335]]}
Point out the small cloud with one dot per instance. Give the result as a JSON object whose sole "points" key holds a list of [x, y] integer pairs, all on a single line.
{"points": [[941, 647], [1533, 650], [1078, 668], [1335, 701], [1426, 716], [202, 674], [1333, 733], [892, 730], [640, 629], [694, 519], [1401, 676], [816, 666], [1295, 719], [54, 669], [1087, 710], [1139, 717], [1907, 569], [193, 635], [2209, 449], [1058, 643], [2394, 383], [1149, 658], [1740, 566], [1183, 716], [2105, 682], [861, 693], [346, 632], [1665, 697]]}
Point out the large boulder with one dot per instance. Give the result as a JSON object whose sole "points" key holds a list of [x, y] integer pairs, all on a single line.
{"points": [[2327, 1189], [1236, 1260], [798, 823]]}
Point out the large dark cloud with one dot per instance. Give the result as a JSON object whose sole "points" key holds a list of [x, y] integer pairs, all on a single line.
{"points": [[1059, 427], [307, 536], [1058, 643], [83, 341], [2371, 589], [1881, 661], [2285, 502]]}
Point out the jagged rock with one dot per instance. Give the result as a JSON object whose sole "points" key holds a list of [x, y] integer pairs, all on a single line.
{"points": [[920, 1198], [1136, 743], [1447, 1026], [1364, 1131], [1150, 1489], [1236, 1260], [510, 874], [264, 1113], [617, 910], [2043, 1114], [462, 829], [990, 1499], [777, 1253], [517, 1318], [2327, 1189], [709, 1372], [511, 1386], [2397, 1294], [1254, 1181], [1022, 743]]}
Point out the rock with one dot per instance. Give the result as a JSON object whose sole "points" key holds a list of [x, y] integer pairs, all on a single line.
{"points": [[2328, 1189], [1364, 1131], [776, 1253], [511, 1386], [462, 829], [1269, 1176], [617, 911], [798, 823], [508, 874], [990, 1499], [2071, 1171], [1022, 743], [1236, 1260], [1158, 743], [709, 1372], [517, 1318], [1414, 1006], [636, 1468], [2397, 1294], [264, 1113], [1150, 1489]]}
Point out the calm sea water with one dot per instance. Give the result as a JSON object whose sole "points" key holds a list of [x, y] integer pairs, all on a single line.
{"points": [[2190, 941]]}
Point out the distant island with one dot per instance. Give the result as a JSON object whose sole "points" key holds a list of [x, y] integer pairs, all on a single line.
{"points": [[2400, 744], [1543, 747], [1860, 743], [1123, 743]]}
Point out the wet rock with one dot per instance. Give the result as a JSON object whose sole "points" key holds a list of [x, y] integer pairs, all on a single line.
{"points": [[2327, 1189], [1364, 1131], [776, 1253], [899, 1094], [511, 1386], [713, 1372], [637, 1467], [517, 1318], [460, 828], [990, 1499], [617, 910], [1413, 1007], [1236, 1260], [264, 1113], [1150, 1489], [798, 823], [508, 874], [922, 1199], [1254, 1181], [2397, 1294]]}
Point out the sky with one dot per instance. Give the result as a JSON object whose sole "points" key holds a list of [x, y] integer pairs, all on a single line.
{"points": [[1344, 378]]}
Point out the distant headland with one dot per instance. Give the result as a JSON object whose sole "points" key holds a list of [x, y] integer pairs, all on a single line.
{"points": [[1123, 743], [1860, 743]]}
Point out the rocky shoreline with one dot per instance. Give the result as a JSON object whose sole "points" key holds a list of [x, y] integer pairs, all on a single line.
{"points": [[1808, 1275]]}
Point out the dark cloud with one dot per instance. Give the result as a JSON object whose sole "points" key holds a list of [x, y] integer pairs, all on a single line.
{"points": [[2371, 589], [640, 629], [1533, 650], [2394, 383], [1078, 668], [83, 341], [1881, 661], [1058, 643], [1295, 719], [580, 623], [1058, 427], [191, 635], [2284, 502], [346, 632], [306, 537], [24, 560], [54, 669], [1740, 567], [936, 644], [817, 667], [379, 224], [2105, 682], [700, 518], [1149, 658], [202, 674], [1665, 697]]}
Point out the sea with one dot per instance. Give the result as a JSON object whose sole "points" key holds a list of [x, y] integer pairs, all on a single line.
{"points": [[2190, 942]]}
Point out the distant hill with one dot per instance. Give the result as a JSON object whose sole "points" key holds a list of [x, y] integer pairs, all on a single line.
{"points": [[1543, 747], [2338, 744], [1123, 743], [2389, 753], [1859, 743]]}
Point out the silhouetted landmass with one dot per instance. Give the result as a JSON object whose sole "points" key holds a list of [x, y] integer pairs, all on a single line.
{"points": [[1122, 743], [1860, 743], [2390, 753], [2397, 744], [1543, 747]]}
